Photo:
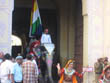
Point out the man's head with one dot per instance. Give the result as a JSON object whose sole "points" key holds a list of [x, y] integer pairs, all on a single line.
{"points": [[100, 60], [105, 60], [7, 56], [12, 59], [33, 55], [46, 31], [19, 59], [70, 64], [107, 72], [29, 57], [1, 55]]}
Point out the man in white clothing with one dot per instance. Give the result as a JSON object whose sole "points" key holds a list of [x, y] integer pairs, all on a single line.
{"points": [[46, 38], [6, 70]]}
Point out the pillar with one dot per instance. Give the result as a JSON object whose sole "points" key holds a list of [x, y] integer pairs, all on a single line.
{"points": [[106, 28], [93, 35], [6, 8], [85, 38]]}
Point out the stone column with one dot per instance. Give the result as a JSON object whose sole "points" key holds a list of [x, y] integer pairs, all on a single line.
{"points": [[106, 28], [6, 8], [85, 38], [93, 35]]}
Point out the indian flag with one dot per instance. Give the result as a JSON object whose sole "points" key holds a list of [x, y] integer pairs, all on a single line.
{"points": [[35, 24]]}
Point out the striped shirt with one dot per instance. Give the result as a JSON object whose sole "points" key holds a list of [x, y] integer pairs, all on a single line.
{"points": [[29, 72]]}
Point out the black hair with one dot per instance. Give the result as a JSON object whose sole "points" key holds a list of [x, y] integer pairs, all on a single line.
{"points": [[29, 57], [108, 68], [7, 56]]}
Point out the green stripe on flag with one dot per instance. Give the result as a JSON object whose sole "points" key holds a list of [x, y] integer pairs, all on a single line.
{"points": [[35, 25]]}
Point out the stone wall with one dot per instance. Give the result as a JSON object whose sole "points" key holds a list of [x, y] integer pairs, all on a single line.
{"points": [[6, 9]]}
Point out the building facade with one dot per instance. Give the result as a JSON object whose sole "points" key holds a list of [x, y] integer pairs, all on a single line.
{"points": [[80, 29]]}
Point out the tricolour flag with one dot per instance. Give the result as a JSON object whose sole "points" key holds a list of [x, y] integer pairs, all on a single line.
{"points": [[35, 24]]}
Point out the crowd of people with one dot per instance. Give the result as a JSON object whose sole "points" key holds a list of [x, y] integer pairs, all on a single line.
{"points": [[22, 70], [102, 70], [18, 71], [26, 70]]}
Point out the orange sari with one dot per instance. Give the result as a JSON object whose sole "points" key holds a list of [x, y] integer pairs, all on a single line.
{"points": [[74, 80]]}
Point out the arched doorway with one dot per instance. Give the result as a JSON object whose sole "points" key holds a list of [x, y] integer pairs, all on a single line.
{"points": [[16, 44]]}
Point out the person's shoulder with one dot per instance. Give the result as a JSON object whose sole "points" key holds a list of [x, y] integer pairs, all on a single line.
{"points": [[33, 64], [96, 63], [28, 62], [43, 34], [2, 63], [34, 61], [8, 62], [108, 63], [15, 64], [49, 35], [63, 69], [25, 62]]}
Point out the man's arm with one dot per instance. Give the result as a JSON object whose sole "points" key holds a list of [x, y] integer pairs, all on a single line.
{"points": [[12, 74], [42, 38], [49, 39], [12, 78]]}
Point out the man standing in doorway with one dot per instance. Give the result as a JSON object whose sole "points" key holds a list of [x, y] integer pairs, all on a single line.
{"points": [[46, 38]]}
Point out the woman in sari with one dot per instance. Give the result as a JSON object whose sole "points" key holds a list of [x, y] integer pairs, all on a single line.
{"points": [[105, 77], [68, 73]]}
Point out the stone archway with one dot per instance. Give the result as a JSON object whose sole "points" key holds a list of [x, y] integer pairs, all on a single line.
{"points": [[16, 44]]}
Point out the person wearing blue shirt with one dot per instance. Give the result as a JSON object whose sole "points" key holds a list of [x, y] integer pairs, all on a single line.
{"points": [[17, 70]]}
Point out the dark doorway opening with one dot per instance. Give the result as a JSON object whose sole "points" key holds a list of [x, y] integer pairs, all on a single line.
{"points": [[21, 27]]}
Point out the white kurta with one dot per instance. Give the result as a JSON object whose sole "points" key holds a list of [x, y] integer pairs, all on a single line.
{"points": [[6, 69], [46, 38]]}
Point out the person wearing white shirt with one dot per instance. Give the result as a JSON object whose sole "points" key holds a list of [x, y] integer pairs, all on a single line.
{"points": [[6, 70], [17, 70], [34, 61], [46, 38], [1, 60]]}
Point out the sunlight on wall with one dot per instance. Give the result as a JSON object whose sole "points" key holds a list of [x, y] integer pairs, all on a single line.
{"points": [[15, 41]]}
